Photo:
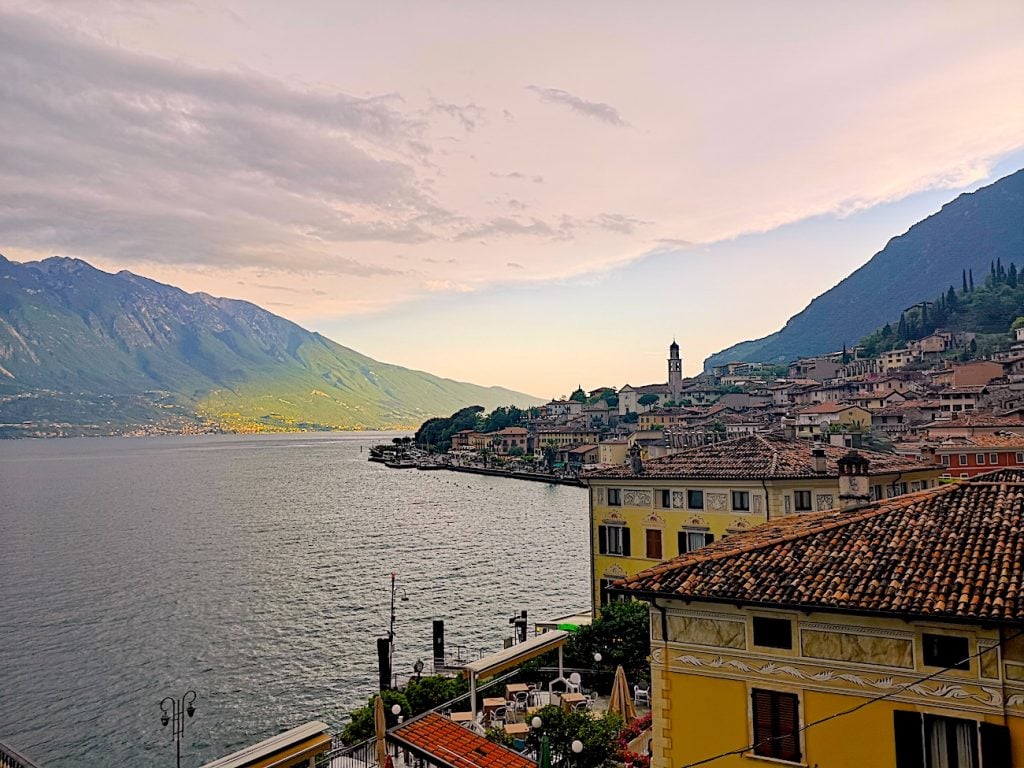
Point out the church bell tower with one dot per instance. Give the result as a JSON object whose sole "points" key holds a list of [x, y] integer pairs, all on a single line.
{"points": [[675, 372]]}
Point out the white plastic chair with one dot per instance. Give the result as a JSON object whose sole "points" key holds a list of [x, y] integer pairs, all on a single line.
{"points": [[641, 695], [573, 685]]}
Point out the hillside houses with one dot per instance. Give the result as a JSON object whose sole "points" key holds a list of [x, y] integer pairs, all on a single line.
{"points": [[843, 399]]}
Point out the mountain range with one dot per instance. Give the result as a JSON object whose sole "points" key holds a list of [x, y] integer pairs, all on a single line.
{"points": [[969, 233], [84, 351]]}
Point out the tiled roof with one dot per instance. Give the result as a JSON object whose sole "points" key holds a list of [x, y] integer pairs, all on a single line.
{"points": [[758, 457], [448, 744], [953, 552], [825, 408], [977, 419]]}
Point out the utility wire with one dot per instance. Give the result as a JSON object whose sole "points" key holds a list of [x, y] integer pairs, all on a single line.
{"points": [[856, 708]]}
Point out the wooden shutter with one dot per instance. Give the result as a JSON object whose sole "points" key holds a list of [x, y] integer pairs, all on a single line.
{"points": [[761, 706], [602, 539], [709, 538], [788, 724], [909, 737], [681, 536], [776, 724], [995, 746], [653, 544], [626, 551]]}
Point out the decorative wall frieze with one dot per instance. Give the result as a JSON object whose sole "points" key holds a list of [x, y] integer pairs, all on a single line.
{"points": [[636, 497], [824, 501], [966, 696], [678, 499], [716, 501]]}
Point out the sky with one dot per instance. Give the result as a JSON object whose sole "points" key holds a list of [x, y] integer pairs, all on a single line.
{"points": [[533, 195]]}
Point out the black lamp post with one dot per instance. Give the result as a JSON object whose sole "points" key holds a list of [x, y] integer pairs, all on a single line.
{"points": [[391, 626], [175, 716]]}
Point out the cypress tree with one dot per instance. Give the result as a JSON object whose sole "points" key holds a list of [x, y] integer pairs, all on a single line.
{"points": [[963, 274], [1011, 276], [951, 297], [1000, 273], [970, 279], [901, 329]]}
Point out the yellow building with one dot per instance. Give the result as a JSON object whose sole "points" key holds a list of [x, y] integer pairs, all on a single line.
{"points": [[888, 635], [681, 502], [613, 452]]}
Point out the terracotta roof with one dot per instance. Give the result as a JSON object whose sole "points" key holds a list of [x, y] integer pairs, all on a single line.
{"points": [[952, 552], [826, 408], [1009, 440], [977, 419], [757, 457], [448, 744]]}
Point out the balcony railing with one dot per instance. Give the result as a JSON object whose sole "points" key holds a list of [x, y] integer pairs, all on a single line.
{"points": [[11, 758]]}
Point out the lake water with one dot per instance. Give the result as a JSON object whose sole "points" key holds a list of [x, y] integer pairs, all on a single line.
{"points": [[254, 570]]}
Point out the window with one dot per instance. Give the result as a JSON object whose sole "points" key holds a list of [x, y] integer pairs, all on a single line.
{"points": [[613, 540], [665, 497], [946, 651], [776, 724], [773, 633], [930, 741], [979, 458], [993, 458], [963, 459], [691, 540], [1020, 457], [802, 501], [614, 497], [604, 596], [695, 499], [945, 459], [653, 544], [741, 501]]}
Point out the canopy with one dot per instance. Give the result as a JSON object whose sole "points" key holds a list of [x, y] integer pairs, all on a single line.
{"points": [[514, 655]]}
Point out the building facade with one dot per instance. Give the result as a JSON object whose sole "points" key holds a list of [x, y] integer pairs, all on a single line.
{"points": [[681, 502], [848, 638]]}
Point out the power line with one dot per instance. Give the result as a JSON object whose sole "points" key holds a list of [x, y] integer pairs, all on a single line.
{"points": [[856, 708]]}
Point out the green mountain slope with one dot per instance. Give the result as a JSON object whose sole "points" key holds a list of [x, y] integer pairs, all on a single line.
{"points": [[969, 232], [86, 352]]}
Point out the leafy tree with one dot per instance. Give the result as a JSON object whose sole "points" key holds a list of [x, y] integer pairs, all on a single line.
{"points": [[579, 395], [647, 399], [599, 736], [361, 727], [432, 691]]}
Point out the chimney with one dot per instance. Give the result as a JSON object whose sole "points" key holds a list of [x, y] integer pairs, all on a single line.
{"points": [[818, 460], [789, 429], [853, 481], [635, 462], [928, 454]]}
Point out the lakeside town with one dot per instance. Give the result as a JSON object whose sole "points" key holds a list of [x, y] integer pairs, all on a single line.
{"points": [[800, 534]]}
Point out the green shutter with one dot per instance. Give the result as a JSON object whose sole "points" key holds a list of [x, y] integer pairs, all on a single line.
{"points": [[626, 551], [602, 539]]}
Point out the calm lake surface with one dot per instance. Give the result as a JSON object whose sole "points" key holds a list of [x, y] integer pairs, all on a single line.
{"points": [[254, 570]]}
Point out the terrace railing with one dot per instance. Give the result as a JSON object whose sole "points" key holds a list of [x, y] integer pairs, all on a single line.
{"points": [[11, 758]]}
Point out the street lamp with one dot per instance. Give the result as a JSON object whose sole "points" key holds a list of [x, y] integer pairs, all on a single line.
{"points": [[176, 716], [391, 627], [576, 747]]}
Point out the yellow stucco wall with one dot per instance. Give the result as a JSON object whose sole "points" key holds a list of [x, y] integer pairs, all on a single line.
{"points": [[701, 693]]}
